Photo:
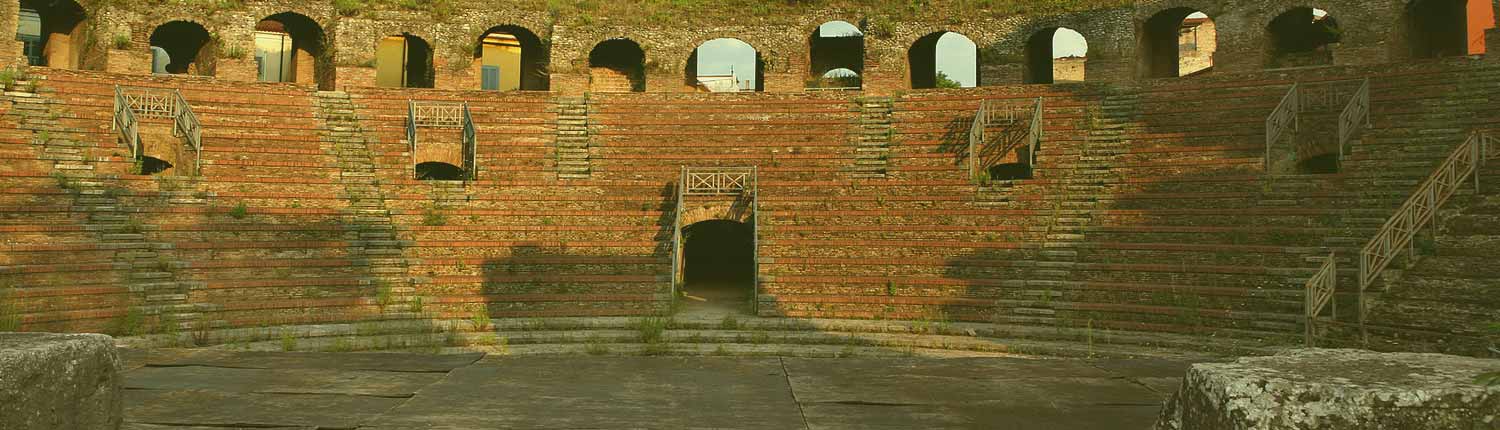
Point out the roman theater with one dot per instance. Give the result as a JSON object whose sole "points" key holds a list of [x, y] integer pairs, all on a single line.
{"points": [[819, 214]]}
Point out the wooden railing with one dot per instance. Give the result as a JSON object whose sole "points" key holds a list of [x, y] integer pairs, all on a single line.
{"points": [[1398, 233], [1320, 290], [996, 111], [186, 125], [717, 181], [1282, 120], [432, 114]]}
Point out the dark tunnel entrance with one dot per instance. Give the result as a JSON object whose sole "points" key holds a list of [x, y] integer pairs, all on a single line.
{"points": [[719, 264]]}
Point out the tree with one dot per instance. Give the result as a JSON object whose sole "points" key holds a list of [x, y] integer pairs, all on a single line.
{"points": [[943, 81]]}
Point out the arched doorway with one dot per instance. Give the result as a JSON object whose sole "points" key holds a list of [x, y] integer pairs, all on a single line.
{"points": [[181, 47], [439, 171], [1055, 55], [1300, 37], [49, 33], [151, 165], [403, 61], [1178, 42], [1446, 28], [288, 48], [617, 66], [944, 60], [511, 58], [724, 65], [833, 46], [718, 269]]}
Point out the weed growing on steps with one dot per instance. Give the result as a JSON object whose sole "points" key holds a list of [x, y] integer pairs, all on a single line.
{"points": [[595, 346], [652, 329], [730, 322], [432, 218], [64, 182], [417, 304], [288, 340], [480, 317], [10, 316], [383, 296], [130, 323], [239, 211], [201, 333], [720, 351]]}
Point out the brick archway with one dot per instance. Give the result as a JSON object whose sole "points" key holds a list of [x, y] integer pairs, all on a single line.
{"points": [[705, 211]]}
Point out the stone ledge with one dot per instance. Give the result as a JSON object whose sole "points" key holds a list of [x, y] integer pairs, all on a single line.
{"points": [[59, 381], [1317, 389]]}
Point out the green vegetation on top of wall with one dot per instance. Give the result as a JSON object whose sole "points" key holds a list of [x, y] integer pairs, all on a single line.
{"points": [[714, 11]]}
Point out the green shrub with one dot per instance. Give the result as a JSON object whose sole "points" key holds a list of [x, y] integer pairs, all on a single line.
{"points": [[652, 329], [480, 318], [120, 41], [288, 340], [239, 211], [432, 218], [10, 314], [130, 324]]}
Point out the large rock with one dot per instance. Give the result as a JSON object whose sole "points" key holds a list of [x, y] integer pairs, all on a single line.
{"points": [[59, 381], [1328, 389]]}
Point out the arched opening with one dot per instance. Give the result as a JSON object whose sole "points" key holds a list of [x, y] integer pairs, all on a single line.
{"points": [[944, 60], [403, 61], [1445, 28], [1012, 171], [1178, 42], [835, 45], [1055, 55], [182, 47], [719, 263], [511, 58], [289, 48], [439, 171], [617, 66], [49, 32], [724, 65], [1320, 164], [1300, 37], [838, 78], [152, 165]]}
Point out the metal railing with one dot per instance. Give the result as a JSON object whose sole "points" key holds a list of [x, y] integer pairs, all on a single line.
{"points": [[1320, 290], [471, 145], [1356, 113], [133, 103], [716, 181], [125, 123], [1400, 230], [1282, 119], [998, 111], [186, 125]]}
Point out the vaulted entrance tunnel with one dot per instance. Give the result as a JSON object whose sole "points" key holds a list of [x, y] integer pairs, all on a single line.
{"points": [[718, 265]]}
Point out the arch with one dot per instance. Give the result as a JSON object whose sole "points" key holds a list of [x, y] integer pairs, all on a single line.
{"points": [[510, 57], [1177, 42], [1441, 28], [617, 65], [403, 61], [718, 259], [834, 45], [1300, 37], [50, 33], [289, 48], [944, 59], [152, 165], [1323, 164], [1055, 55], [186, 47], [439, 171], [725, 65], [838, 78]]}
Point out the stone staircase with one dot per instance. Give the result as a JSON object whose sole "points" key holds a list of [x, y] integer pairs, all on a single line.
{"points": [[572, 140], [152, 267], [872, 137], [370, 230]]}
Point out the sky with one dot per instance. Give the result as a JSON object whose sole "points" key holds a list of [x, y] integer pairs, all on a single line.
{"points": [[956, 54]]}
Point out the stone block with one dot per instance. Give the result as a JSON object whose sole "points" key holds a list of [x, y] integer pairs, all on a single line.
{"points": [[1336, 389], [59, 381]]}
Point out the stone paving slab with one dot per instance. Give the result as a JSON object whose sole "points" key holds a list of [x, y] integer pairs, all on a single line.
{"points": [[387, 362], [215, 408], [604, 392], [281, 381], [218, 389], [968, 393]]}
